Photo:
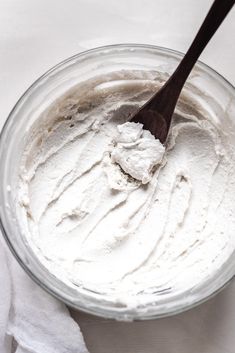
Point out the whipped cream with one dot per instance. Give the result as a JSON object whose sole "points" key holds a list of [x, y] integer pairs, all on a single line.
{"points": [[105, 207], [137, 151]]}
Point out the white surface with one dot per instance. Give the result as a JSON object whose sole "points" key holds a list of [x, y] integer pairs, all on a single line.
{"points": [[35, 35]]}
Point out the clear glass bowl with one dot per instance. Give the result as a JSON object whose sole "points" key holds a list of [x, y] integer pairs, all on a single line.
{"points": [[37, 98]]}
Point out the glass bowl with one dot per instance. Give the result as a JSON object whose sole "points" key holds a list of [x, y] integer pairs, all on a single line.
{"points": [[36, 99]]}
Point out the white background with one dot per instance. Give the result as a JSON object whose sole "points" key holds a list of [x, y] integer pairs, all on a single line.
{"points": [[37, 34]]}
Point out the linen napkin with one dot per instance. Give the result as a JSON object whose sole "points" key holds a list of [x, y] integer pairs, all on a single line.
{"points": [[37, 322]]}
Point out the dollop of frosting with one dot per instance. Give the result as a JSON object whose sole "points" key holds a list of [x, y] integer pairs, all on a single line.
{"points": [[137, 151]]}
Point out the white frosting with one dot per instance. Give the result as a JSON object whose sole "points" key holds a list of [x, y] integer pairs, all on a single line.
{"points": [[94, 226], [137, 151]]}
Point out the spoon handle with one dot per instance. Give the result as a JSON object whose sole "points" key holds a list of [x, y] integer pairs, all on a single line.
{"points": [[175, 83]]}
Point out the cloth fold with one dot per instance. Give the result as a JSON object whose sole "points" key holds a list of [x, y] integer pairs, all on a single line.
{"points": [[38, 322], [5, 301]]}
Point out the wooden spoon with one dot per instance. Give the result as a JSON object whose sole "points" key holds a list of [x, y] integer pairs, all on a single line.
{"points": [[156, 113]]}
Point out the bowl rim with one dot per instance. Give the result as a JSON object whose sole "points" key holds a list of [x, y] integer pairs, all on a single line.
{"points": [[90, 310]]}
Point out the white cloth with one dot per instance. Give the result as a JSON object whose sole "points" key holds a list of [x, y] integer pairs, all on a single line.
{"points": [[38, 322], [5, 301]]}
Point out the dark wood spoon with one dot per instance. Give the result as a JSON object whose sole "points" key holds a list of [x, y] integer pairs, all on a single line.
{"points": [[156, 113]]}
